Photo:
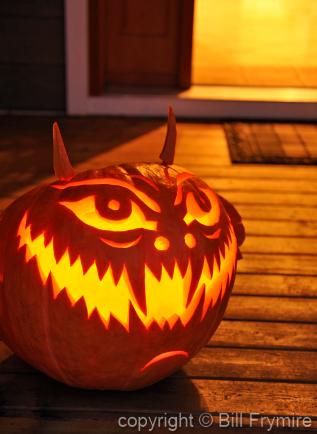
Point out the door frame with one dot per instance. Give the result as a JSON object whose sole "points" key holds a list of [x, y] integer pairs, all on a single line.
{"points": [[209, 102]]}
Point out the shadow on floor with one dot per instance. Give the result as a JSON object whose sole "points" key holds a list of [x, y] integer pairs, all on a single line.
{"points": [[26, 143]]}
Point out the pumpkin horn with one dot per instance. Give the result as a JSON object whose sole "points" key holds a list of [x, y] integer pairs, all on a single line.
{"points": [[62, 166], [168, 151]]}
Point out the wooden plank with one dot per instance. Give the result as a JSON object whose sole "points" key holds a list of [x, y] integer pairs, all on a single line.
{"points": [[263, 185], [301, 229], [258, 308], [148, 153], [268, 284], [226, 362], [235, 334], [253, 364], [278, 264], [254, 334], [277, 212], [220, 158], [255, 171], [283, 245], [184, 151], [22, 394], [273, 198], [208, 127]]}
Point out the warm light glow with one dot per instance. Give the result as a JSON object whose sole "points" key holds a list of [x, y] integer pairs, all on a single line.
{"points": [[194, 212], [148, 201], [114, 205], [166, 298], [121, 244], [255, 42], [163, 356], [190, 241], [85, 210], [214, 236], [161, 243], [182, 177]]}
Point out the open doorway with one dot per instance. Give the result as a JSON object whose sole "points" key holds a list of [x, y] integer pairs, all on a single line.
{"points": [[271, 43], [135, 58]]}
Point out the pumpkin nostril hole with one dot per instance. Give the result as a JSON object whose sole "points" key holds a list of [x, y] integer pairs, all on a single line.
{"points": [[190, 241], [114, 204], [161, 243]]}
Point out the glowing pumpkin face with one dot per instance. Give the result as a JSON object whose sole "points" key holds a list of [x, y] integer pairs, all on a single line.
{"points": [[115, 278]]}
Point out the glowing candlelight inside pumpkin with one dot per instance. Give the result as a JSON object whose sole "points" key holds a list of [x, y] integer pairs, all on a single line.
{"points": [[113, 265]]}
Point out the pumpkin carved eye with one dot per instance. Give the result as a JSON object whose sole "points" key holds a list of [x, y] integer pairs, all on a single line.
{"points": [[86, 211], [195, 212]]}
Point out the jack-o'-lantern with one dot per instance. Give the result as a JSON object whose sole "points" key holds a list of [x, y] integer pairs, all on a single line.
{"points": [[114, 278]]}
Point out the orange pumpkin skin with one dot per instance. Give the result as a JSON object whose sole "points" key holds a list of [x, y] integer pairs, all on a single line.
{"points": [[117, 277]]}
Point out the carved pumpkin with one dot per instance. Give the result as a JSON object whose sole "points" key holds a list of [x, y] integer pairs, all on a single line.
{"points": [[114, 278]]}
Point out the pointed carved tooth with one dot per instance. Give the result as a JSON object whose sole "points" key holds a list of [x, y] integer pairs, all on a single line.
{"points": [[211, 263], [51, 286], [229, 235], [182, 264], [226, 240], [169, 266], [62, 166], [117, 270], [86, 262], [208, 302], [115, 323], [222, 249], [165, 325], [47, 239], [97, 319], [73, 255], [63, 299], [156, 269], [35, 232], [81, 308], [197, 263], [137, 286], [135, 325], [198, 312], [168, 151], [172, 321], [217, 258], [59, 250], [101, 269]]}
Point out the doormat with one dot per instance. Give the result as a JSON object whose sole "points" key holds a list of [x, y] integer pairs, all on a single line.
{"points": [[272, 143]]}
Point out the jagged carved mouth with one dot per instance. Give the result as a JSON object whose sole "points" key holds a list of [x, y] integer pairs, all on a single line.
{"points": [[166, 297]]}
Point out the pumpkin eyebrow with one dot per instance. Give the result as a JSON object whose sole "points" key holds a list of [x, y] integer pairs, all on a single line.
{"points": [[194, 212], [179, 181], [152, 204]]}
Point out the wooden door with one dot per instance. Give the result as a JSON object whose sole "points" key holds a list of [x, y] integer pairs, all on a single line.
{"points": [[140, 43]]}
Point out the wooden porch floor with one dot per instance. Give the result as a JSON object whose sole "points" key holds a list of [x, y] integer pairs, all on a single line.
{"points": [[263, 357]]}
